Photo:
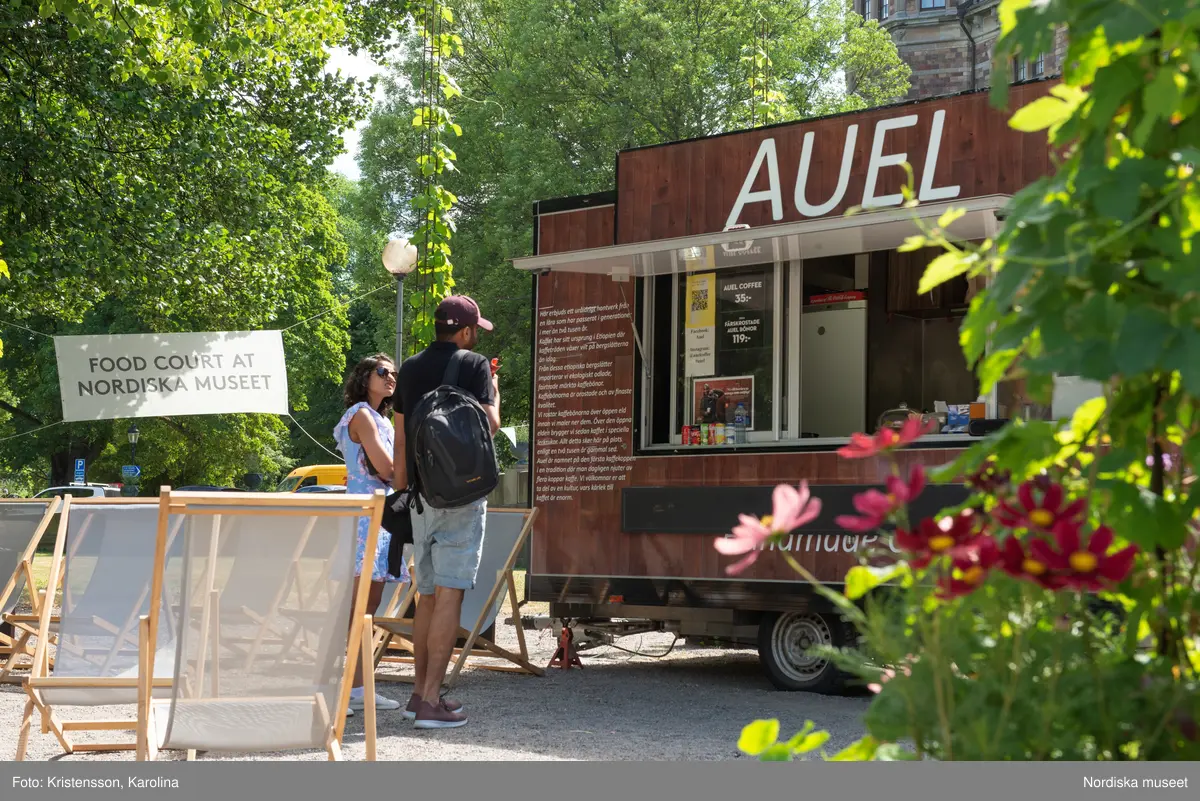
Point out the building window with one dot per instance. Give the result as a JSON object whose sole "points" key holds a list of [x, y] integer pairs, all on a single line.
{"points": [[1039, 66], [929, 5], [884, 8], [866, 9], [1019, 70]]}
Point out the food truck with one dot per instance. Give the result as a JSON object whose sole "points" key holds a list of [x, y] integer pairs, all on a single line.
{"points": [[717, 325]]}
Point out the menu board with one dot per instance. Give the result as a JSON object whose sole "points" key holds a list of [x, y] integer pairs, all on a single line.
{"points": [[744, 300], [584, 402]]}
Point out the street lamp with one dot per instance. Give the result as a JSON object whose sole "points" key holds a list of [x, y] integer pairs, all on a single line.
{"points": [[399, 259], [131, 489], [133, 438]]}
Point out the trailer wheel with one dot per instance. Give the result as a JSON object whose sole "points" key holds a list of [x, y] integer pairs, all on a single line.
{"points": [[784, 638]]}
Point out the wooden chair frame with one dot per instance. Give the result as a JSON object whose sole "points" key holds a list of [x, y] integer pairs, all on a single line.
{"points": [[357, 645], [475, 645], [17, 645], [39, 677]]}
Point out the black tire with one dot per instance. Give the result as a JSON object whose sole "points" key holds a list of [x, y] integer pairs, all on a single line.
{"points": [[782, 640]]}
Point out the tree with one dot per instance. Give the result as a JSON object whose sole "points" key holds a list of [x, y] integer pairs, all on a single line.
{"points": [[551, 90], [159, 176]]}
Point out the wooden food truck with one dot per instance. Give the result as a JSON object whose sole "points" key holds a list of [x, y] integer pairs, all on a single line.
{"points": [[715, 326]]}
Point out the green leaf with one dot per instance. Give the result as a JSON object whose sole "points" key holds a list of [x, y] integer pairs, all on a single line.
{"points": [[758, 736], [863, 750], [942, 269], [861, 579], [994, 367], [949, 217], [776, 753], [1043, 113], [806, 742], [1145, 334], [894, 752]]}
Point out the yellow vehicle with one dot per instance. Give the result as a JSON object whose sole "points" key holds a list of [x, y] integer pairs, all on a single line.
{"points": [[311, 475]]}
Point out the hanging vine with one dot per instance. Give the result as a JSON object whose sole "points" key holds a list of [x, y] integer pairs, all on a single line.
{"points": [[767, 105], [432, 203]]}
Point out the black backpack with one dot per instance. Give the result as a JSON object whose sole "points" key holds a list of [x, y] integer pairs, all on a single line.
{"points": [[452, 444]]}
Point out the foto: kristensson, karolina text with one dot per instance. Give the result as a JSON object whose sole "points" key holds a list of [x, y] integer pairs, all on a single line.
{"points": [[1107, 782], [75, 783]]}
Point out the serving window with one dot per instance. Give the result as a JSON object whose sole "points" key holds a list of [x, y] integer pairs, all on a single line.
{"points": [[789, 351]]}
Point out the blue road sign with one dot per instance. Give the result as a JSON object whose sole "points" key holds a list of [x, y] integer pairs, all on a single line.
{"points": [[131, 471], [80, 466]]}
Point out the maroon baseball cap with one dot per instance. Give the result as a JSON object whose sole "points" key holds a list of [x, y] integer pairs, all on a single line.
{"points": [[460, 310]]}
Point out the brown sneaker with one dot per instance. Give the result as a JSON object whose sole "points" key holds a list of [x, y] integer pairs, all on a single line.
{"points": [[414, 701], [431, 716]]}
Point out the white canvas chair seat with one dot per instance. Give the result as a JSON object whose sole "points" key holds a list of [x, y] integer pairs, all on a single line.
{"points": [[104, 554], [243, 724], [505, 534], [269, 628], [22, 524]]}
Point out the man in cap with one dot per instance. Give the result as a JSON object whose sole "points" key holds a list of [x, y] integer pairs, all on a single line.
{"points": [[447, 543]]}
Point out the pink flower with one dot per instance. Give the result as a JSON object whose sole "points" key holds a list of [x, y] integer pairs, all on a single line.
{"points": [[790, 509], [864, 446], [889, 673], [874, 507]]}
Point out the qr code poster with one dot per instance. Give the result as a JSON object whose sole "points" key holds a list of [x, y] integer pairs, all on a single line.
{"points": [[701, 300]]}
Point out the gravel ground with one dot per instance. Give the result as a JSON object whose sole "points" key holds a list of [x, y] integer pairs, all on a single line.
{"points": [[690, 705]]}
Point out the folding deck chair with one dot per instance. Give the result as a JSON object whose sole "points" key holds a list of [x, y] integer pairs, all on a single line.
{"points": [[296, 697], [22, 524], [504, 536], [104, 554]]}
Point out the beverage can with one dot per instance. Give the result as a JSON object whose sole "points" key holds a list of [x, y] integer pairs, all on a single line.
{"points": [[686, 435], [719, 434]]}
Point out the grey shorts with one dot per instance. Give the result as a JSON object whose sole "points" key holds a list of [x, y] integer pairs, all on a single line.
{"points": [[447, 545]]}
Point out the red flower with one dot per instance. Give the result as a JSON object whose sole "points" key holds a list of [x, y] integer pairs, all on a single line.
{"points": [[1084, 568], [875, 507], [863, 446], [1038, 514], [950, 535], [1019, 564], [969, 568]]}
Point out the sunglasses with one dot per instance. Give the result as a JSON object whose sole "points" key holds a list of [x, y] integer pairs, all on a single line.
{"points": [[383, 372]]}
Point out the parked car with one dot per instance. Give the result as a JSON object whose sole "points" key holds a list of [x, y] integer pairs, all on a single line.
{"points": [[206, 488], [81, 491], [313, 475], [323, 488]]}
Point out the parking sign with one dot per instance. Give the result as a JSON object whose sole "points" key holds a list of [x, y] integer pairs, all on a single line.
{"points": [[80, 464]]}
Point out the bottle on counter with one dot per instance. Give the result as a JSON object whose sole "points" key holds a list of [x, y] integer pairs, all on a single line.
{"points": [[740, 420]]}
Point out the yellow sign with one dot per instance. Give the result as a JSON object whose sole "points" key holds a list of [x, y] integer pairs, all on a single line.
{"points": [[702, 300]]}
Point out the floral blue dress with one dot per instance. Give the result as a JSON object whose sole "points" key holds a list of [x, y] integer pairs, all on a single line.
{"points": [[358, 480]]}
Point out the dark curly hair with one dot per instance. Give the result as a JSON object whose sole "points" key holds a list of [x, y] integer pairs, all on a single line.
{"points": [[355, 390]]}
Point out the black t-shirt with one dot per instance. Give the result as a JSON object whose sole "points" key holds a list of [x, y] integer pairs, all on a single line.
{"points": [[423, 373]]}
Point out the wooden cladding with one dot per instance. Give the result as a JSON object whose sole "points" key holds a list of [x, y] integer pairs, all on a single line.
{"points": [[692, 187]]}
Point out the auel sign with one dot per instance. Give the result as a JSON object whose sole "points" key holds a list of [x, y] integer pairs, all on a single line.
{"points": [[877, 160]]}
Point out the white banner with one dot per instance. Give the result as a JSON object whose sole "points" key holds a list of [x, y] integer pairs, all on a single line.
{"points": [[162, 375]]}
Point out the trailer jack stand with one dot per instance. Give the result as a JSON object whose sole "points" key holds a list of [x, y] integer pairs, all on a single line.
{"points": [[566, 657]]}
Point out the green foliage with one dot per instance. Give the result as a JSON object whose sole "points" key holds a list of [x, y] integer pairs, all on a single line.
{"points": [[432, 203], [1093, 274], [760, 739], [551, 90], [164, 170]]}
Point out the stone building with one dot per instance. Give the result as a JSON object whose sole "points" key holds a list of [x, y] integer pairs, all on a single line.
{"points": [[948, 44]]}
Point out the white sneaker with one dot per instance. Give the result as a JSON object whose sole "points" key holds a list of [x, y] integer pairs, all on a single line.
{"points": [[381, 702]]}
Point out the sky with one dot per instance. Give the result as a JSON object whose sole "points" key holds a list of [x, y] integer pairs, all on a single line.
{"points": [[360, 67]]}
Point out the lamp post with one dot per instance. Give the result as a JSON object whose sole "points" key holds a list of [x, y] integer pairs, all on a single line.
{"points": [[399, 259], [133, 435]]}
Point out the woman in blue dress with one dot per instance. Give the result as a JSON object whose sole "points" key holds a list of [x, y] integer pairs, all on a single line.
{"points": [[364, 433]]}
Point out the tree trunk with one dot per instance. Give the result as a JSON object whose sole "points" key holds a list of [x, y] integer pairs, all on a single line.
{"points": [[62, 463]]}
